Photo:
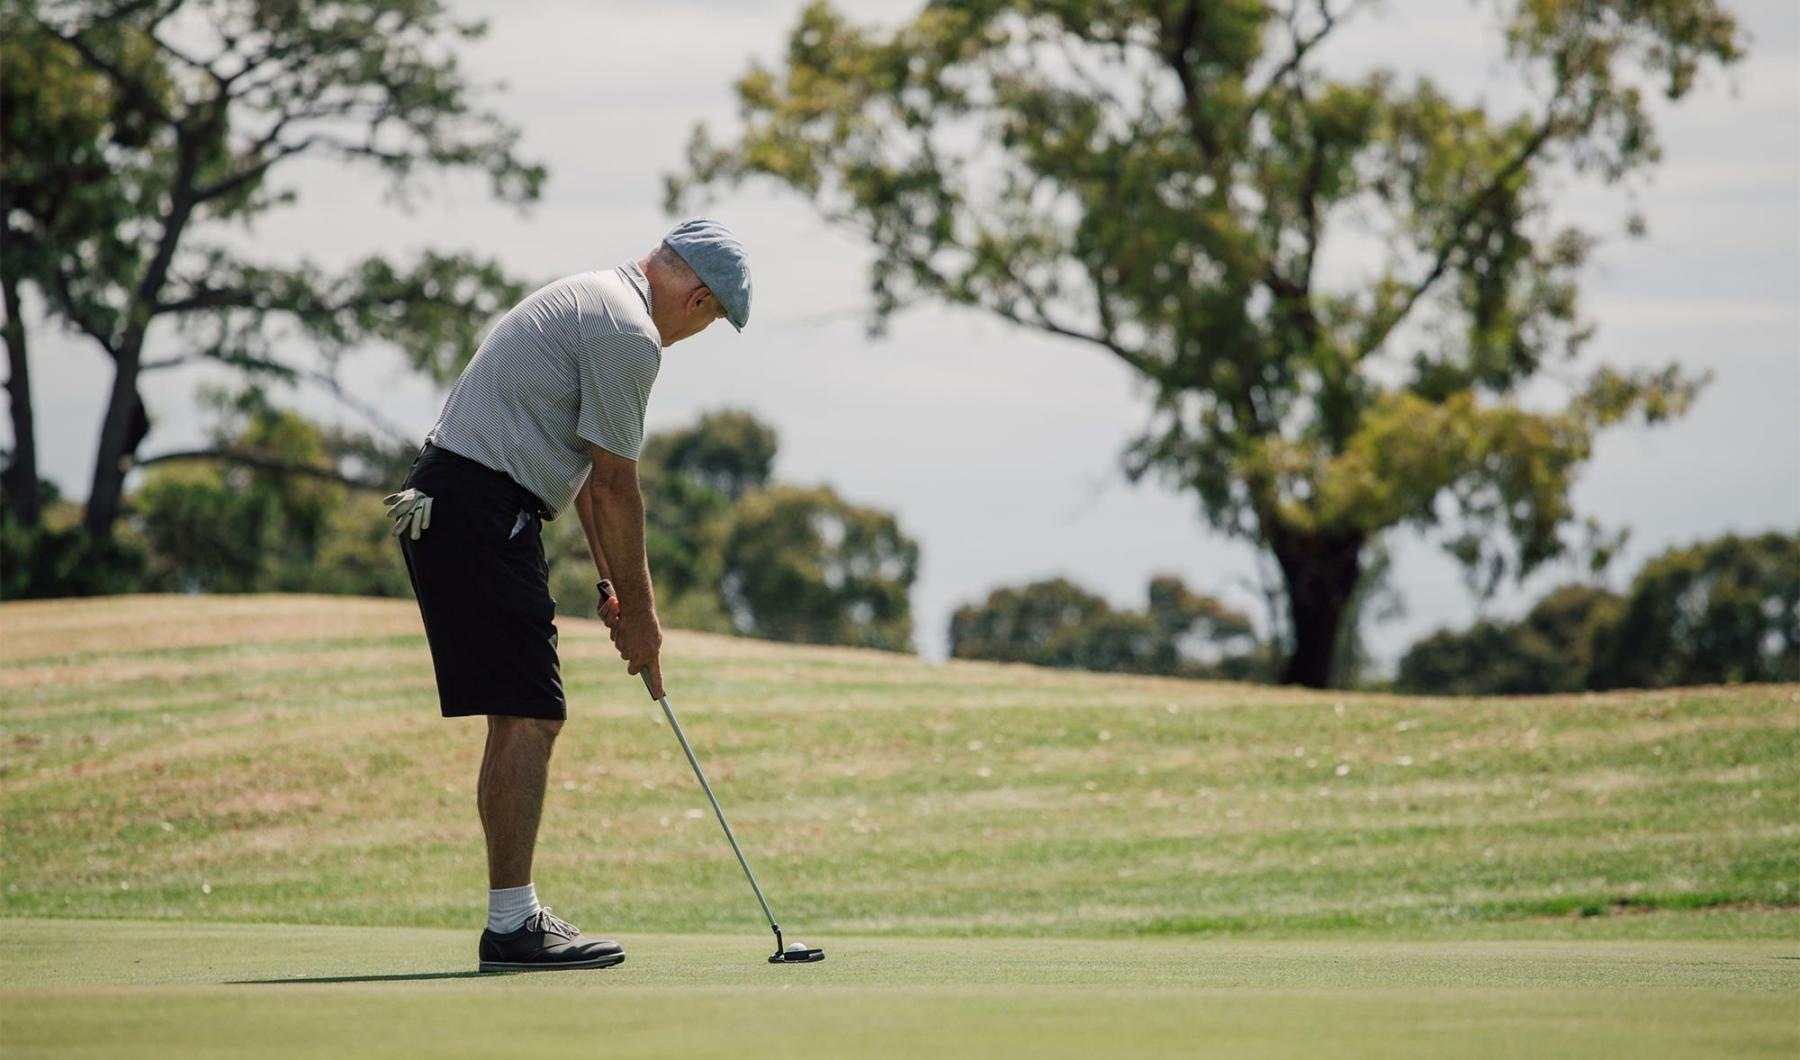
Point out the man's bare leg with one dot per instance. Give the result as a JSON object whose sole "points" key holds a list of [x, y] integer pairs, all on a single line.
{"points": [[511, 799], [510, 794]]}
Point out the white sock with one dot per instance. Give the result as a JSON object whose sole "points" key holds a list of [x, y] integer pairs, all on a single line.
{"points": [[509, 907]]}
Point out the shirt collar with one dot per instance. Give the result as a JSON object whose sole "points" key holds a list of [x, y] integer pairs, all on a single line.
{"points": [[638, 280]]}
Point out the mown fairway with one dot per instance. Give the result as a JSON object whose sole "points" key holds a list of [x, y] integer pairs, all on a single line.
{"points": [[1276, 870]]}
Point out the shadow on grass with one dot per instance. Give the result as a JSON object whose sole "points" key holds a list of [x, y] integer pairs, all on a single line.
{"points": [[414, 977]]}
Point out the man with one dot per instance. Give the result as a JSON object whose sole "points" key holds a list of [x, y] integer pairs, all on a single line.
{"points": [[548, 414]]}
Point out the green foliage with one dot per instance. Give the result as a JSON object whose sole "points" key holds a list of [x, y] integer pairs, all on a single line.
{"points": [[357, 554], [55, 558], [1055, 622], [1550, 650], [732, 551], [691, 478], [1160, 181], [1021, 624], [1720, 612], [730, 452], [232, 526], [804, 565]]}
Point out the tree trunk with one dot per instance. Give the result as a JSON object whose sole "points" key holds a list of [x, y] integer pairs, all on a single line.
{"points": [[20, 481], [124, 425], [127, 421], [1321, 571]]}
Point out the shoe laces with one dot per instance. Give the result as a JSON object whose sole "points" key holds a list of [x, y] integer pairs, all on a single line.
{"points": [[554, 925]]}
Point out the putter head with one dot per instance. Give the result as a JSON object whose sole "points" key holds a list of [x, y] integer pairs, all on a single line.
{"points": [[806, 955], [793, 952]]}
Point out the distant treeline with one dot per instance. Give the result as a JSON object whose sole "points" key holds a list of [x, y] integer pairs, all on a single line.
{"points": [[296, 508], [1723, 611], [1719, 612]]}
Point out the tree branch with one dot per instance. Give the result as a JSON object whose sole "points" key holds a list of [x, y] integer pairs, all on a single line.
{"points": [[262, 463], [1179, 41], [1453, 241], [237, 180], [1041, 322], [166, 363], [1302, 45], [74, 313]]}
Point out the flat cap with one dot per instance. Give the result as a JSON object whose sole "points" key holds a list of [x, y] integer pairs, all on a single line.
{"points": [[718, 259]]}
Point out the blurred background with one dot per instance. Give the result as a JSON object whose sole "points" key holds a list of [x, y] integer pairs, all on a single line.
{"points": [[901, 451]]}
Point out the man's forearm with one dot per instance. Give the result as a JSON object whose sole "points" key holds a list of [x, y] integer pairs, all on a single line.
{"points": [[586, 501], [618, 515]]}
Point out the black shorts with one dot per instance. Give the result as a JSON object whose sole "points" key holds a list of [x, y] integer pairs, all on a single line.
{"points": [[484, 590]]}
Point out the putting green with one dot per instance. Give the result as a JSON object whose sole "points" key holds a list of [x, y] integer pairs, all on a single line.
{"points": [[153, 989]]}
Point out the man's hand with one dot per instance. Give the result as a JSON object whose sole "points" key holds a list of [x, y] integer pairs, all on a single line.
{"points": [[639, 640], [609, 604], [626, 644]]}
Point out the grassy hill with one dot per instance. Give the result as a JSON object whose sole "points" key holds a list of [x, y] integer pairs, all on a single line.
{"points": [[281, 759]]}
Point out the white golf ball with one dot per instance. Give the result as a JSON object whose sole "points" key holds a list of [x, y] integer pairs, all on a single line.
{"points": [[796, 947]]}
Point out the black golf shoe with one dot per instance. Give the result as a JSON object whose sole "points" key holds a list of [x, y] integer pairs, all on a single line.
{"points": [[545, 943]]}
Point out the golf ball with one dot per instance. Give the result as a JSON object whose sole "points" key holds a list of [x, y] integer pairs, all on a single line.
{"points": [[796, 947]]}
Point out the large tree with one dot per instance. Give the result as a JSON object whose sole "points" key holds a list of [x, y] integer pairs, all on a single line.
{"points": [[1337, 286], [142, 139]]}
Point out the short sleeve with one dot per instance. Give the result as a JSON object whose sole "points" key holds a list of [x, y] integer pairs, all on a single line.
{"points": [[616, 373]]}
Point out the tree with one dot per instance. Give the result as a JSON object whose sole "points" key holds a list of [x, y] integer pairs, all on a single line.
{"points": [[1168, 181], [1055, 622], [1193, 627], [53, 120], [1550, 650], [691, 479], [1020, 624], [733, 551], [804, 565], [53, 558], [1723, 611], [151, 130], [263, 523], [729, 451]]}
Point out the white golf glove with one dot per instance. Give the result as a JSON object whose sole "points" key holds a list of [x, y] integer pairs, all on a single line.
{"points": [[411, 512]]}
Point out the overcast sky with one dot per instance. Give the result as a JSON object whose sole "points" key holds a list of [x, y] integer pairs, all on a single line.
{"points": [[1000, 449]]}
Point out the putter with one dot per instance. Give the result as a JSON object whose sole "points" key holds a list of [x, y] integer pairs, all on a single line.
{"points": [[794, 953]]}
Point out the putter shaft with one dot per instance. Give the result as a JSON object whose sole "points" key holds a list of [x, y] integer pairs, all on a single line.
{"points": [[669, 712]]}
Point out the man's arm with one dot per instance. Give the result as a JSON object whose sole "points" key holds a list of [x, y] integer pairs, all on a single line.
{"points": [[617, 512], [585, 502]]}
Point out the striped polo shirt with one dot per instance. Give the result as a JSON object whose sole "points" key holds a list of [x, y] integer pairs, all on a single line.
{"points": [[570, 365]]}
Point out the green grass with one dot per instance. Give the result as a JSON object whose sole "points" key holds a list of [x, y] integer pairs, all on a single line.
{"points": [[1001, 860], [154, 989]]}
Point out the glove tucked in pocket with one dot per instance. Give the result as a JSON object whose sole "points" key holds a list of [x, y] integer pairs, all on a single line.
{"points": [[411, 512]]}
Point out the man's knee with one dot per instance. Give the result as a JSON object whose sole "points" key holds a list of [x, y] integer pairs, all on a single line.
{"points": [[507, 728]]}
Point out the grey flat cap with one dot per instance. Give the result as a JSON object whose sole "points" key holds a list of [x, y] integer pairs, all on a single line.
{"points": [[718, 259]]}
